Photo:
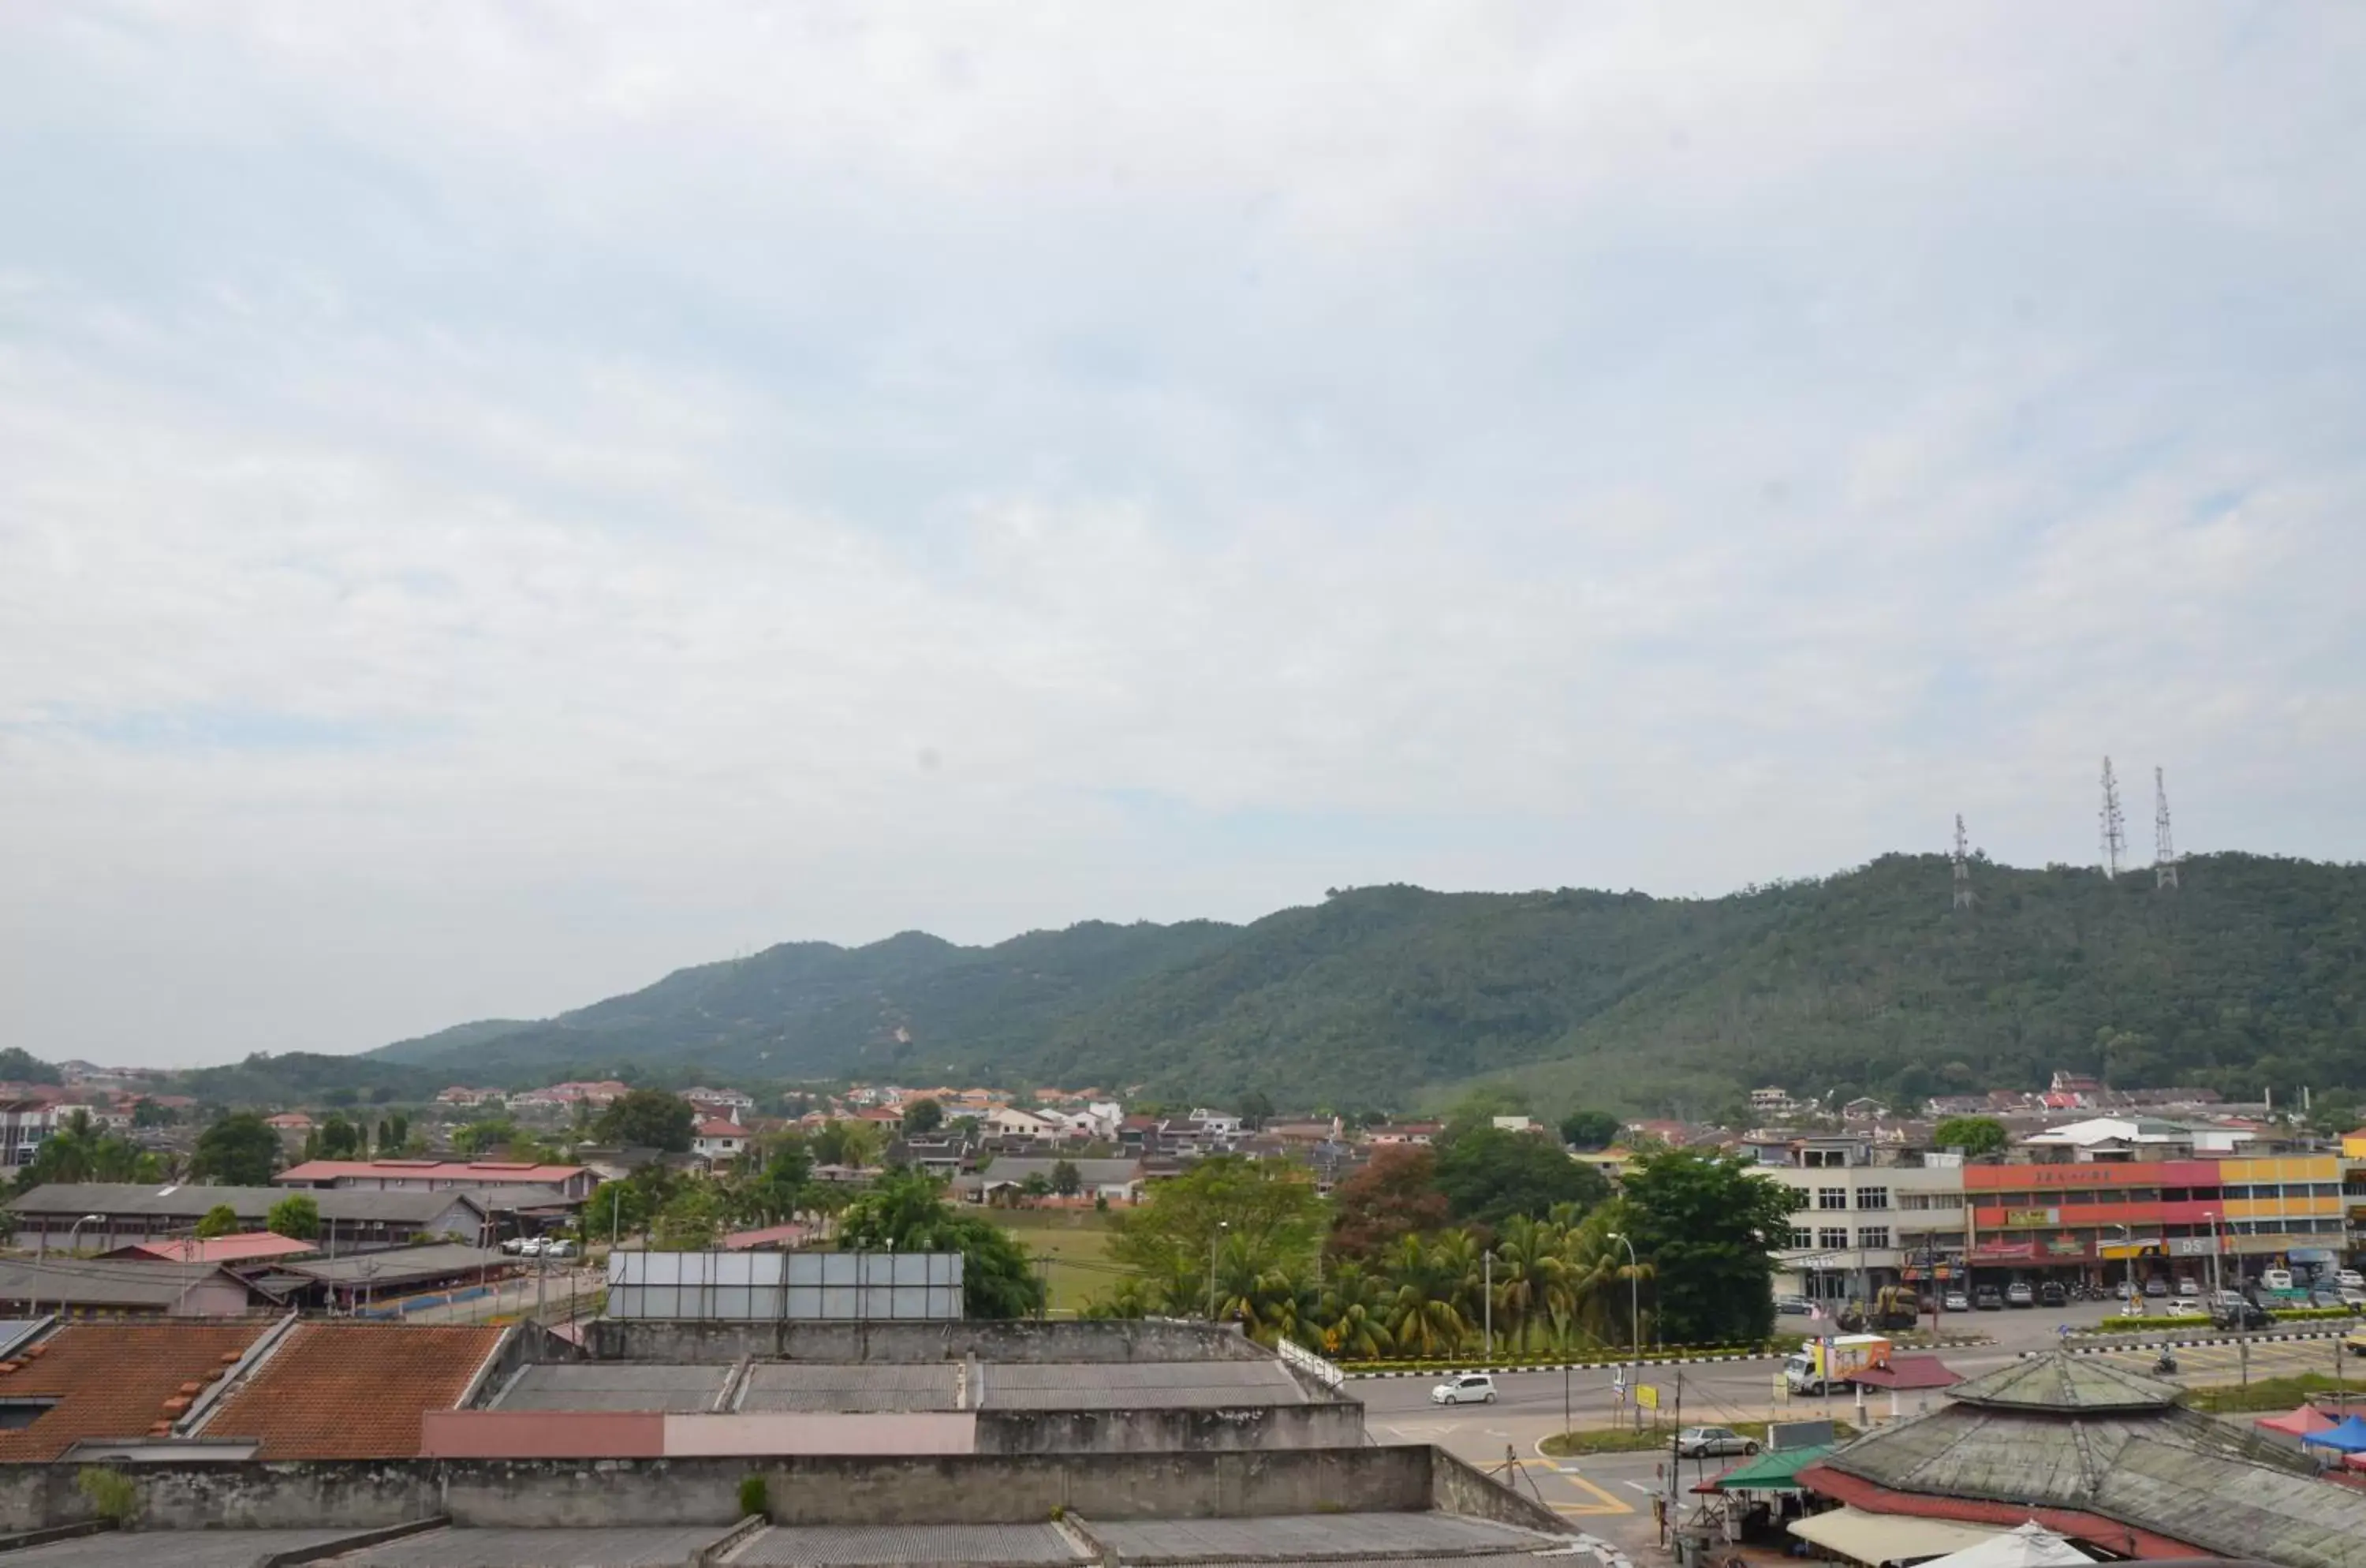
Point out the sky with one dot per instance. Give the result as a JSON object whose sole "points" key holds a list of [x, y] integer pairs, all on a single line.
{"points": [[498, 502]]}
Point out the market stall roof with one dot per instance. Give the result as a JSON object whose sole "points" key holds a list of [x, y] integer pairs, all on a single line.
{"points": [[2348, 1438], [2296, 1423], [1889, 1538], [2030, 1546], [1774, 1472], [1908, 1373]]}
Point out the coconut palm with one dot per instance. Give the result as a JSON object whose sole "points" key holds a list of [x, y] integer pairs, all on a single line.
{"points": [[1353, 1314], [1527, 1263], [1425, 1289]]}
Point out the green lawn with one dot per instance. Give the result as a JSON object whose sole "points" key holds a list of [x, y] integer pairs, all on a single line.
{"points": [[2267, 1394], [1076, 1241], [1626, 1440]]}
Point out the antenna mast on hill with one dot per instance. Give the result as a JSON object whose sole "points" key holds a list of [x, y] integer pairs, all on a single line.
{"points": [[2115, 827], [1963, 868], [2164, 847]]}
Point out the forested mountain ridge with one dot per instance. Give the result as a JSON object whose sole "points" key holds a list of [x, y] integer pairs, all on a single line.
{"points": [[2251, 974]]}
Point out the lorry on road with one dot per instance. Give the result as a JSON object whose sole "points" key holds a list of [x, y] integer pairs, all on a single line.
{"points": [[1821, 1365]]}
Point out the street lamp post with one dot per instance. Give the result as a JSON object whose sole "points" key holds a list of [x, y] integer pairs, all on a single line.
{"points": [[2217, 1281], [71, 1231], [1634, 1294], [1487, 1303]]}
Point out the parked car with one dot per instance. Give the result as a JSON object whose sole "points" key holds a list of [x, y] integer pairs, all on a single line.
{"points": [[1470, 1388], [2018, 1294], [1988, 1298], [2326, 1298], [531, 1247], [2349, 1279], [2242, 1314], [2157, 1286], [2052, 1294], [558, 1247], [514, 1246], [1694, 1442], [1958, 1302], [2189, 1287], [1794, 1307]]}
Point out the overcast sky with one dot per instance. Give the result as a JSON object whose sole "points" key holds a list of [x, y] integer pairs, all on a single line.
{"points": [[500, 500]]}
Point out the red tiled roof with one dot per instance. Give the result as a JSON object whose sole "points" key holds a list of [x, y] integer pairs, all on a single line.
{"points": [[112, 1379], [1874, 1498], [1908, 1372], [716, 1127], [473, 1173], [353, 1389], [235, 1248]]}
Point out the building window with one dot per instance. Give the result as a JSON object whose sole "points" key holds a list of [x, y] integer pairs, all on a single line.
{"points": [[1873, 1197], [1873, 1236], [1831, 1197], [1803, 1240], [1917, 1201], [1832, 1238], [15, 1414]]}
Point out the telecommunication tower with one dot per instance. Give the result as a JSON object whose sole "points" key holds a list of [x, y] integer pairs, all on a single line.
{"points": [[1963, 868], [2164, 847], [2115, 827]]}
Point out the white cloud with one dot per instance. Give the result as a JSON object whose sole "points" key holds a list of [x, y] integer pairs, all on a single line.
{"points": [[495, 502]]}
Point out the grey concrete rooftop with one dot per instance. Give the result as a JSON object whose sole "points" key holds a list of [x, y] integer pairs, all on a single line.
{"points": [[874, 1546], [615, 1385], [1137, 1385], [650, 1548], [812, 1387], [181, 1549], [1313, 1538], [805, 1387]]}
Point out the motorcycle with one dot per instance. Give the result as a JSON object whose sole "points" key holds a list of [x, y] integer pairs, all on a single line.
{"points": [[2165, 1364]]}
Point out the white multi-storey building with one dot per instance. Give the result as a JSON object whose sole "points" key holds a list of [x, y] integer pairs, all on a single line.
{"points": [[1858, 1226]]}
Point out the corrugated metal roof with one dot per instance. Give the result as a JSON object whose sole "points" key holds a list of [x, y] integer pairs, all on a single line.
{"points": [[152, 1200], [2065, 1382]]}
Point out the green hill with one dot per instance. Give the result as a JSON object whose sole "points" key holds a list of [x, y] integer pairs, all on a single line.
{"points": [[2250, 974]]}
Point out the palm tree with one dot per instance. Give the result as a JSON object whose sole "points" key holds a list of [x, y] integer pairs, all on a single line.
{"points": [[1598, 1276], [1354, 1312], [1425, 1285], [1527, 1263]]}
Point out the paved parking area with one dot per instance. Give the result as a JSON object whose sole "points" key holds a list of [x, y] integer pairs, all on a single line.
{"points": [[182, 1548], [655, 1547], [874, 1546]]}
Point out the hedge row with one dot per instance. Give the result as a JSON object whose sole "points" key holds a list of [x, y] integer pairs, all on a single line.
{"points": [[2195, 1320], [1552, 1363]]}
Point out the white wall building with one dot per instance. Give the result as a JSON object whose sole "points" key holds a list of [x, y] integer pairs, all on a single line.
{"points": [[1861, 1226]]}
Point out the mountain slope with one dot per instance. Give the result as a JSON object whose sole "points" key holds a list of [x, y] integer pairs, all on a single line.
{"points": [[2252, 972]]}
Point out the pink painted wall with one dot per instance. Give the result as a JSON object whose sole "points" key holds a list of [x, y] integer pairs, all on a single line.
{"points": [[542, 1434]]}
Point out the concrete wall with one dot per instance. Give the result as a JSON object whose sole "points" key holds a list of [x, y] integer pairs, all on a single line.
{"points": [[1170, 1431], [1457, 1488], [678, 1341], [837, 1489]]}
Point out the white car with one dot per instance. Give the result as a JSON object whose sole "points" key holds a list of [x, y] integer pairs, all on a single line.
{"points": [[1470, 1388], [558, 1247], [531, 1247], [2188, 1289], [2349, 1279]]}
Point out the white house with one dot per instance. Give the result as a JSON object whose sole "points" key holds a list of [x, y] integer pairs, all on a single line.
{"points": [[717, 1139], [1015, 1123]]}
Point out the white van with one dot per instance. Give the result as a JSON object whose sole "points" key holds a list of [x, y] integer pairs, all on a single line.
{"points": [[2275, 1280]]}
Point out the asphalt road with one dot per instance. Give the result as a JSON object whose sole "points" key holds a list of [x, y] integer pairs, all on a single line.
{"points": [[1610, 1494]]}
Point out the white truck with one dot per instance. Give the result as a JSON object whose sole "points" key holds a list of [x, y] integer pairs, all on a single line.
{"points": [[1821, 1365]]}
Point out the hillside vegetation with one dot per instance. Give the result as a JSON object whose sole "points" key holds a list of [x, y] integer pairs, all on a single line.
{"points": [[2250, 974]]}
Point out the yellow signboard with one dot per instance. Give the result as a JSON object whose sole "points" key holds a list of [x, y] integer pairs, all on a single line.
{"points": [[1647, 1396], [2033, 1216]]}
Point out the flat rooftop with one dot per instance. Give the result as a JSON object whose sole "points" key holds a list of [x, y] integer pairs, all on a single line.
{"points": [[655, 1547], [823, 1387]]}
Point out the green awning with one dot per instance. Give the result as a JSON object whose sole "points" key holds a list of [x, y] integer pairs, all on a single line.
{"points": [[1776, 1471]]}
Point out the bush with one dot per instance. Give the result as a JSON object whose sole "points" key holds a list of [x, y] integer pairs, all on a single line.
{"points": [[753, 1498], [112, 1495]]}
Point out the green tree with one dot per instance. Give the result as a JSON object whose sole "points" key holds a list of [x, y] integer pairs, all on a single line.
{"points": [[777, 1189], [648, 1117], [340, 1139], [1255, 1109], [240, 1150], [1707, 1228], [20, 1065], [908, 1211], [478, 1138], [219, 1220], [1396, 1195], [923, 1116], [1269, 1206], [849, 1142], [1488, 1175], [627, 1208], [1976, 1135], [1590, 1130], [147, 1113], [1424, 1294], [1066, 1179], [1354, 1314], [692, 1220], [296, 1216]]}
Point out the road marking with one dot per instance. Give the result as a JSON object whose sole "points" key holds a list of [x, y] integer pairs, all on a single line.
{"points": [[1646, 1490]]}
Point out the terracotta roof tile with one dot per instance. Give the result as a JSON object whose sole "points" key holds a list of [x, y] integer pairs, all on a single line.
{"points": [[353, 1389], [113, 1380]]}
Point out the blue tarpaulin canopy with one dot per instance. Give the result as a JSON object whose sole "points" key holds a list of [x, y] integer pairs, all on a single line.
{"points": [[2350, 1436]]}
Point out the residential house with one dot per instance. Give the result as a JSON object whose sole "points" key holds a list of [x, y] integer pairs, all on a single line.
{"points": [[1008, 1121], [1422, 1133], [58, 1214], [574, 1182], [289, 1124], [461, 1095], [1119, 1180], [716, 1140], [25, 1122]]}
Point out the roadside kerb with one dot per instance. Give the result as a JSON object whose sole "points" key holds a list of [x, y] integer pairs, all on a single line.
{"points": [[2146, 1342], [1500, 1369]]}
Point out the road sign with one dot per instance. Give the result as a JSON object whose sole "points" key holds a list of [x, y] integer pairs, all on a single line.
{"points": [[1647, 1396]]}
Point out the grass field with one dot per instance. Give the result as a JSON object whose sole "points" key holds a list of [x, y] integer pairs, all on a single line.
{"points": [[1076, 1241]]}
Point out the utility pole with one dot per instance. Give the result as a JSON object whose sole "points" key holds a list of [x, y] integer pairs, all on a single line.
{"points": [[2115, 826], [1487, 1303], [2164, 847], [1963, 868]]}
